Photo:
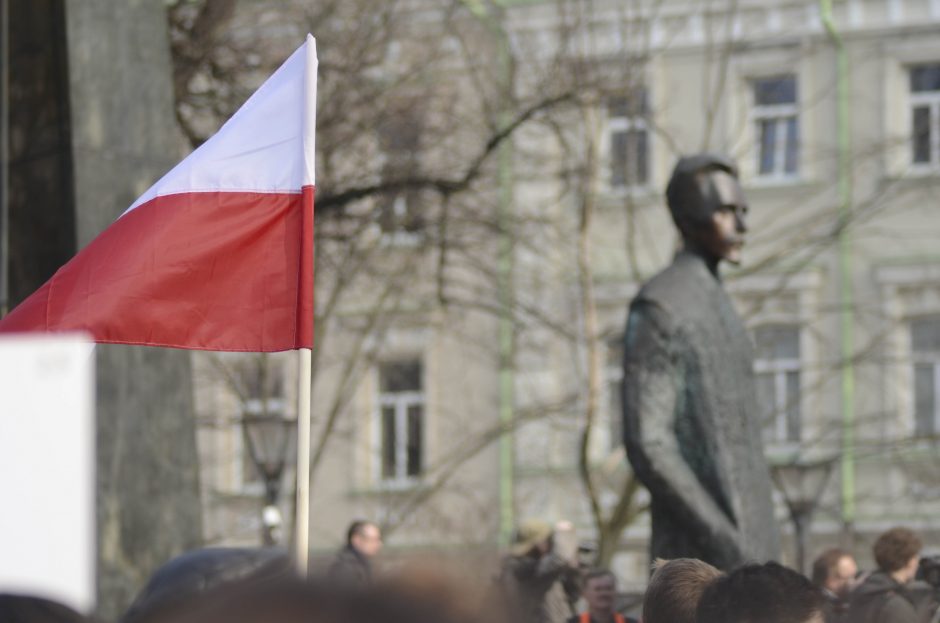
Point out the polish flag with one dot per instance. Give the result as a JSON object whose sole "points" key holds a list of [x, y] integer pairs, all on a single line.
{"points": [[218, 254]]}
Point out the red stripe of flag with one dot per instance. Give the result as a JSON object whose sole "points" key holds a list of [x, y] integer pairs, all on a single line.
{"points": [[204, 270]]}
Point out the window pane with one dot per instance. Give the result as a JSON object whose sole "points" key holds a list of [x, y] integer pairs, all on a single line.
{"points": [[793, 142], [400, 377], [925, 335], [777, 342], [633, 104], [766, 405], [618, 158], [920, 133], [614, 374], [388, 442], [772, 91], [794, 423], [925, 78], [767, 130], [639, 168], [414, 440], [924, 399], [618, 106]]}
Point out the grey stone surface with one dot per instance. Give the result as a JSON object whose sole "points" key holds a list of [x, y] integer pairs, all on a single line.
{"points": [[123, 139]]}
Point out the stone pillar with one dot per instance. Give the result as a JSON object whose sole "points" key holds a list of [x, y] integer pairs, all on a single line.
{"points": [[123, 133]]}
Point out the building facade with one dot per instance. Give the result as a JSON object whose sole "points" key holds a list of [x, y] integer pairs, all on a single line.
{"points": [[463, 405]]}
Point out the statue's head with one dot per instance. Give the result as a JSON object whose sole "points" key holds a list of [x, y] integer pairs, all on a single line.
{"points": [[708, 206]]}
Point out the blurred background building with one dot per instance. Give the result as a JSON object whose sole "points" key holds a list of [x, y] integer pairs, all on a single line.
{"points": [[500, 307], [490, 196]]}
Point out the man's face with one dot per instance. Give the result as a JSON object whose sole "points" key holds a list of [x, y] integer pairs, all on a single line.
{"points": [[600, 592], [842, 578], [369, 540], [721, 235]]}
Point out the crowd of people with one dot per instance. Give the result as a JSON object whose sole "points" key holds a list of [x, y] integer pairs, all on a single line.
{"points": [[539, 581]]}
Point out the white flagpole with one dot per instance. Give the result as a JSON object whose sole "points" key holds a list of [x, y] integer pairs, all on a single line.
{"points": [[304, 372], [305, 355]]}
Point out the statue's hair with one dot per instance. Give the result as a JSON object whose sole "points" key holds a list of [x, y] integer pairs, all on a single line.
{"points": [[675, 588], [690, 186], [769, 593]]}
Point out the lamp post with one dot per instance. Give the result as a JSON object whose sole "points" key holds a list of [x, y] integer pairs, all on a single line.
{"points": [[267, 433], [802, 484]]}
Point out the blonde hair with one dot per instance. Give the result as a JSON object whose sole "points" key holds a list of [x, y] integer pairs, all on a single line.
{"points": [[675, 589]]}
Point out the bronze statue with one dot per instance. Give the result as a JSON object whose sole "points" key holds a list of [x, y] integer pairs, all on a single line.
{"points": [[690, 410]]}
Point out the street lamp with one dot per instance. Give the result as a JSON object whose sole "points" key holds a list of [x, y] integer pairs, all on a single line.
{"points": [[802, 484], [267, 433]]}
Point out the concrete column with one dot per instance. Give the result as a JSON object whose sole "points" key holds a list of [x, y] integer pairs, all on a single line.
{"points": [[124, 137]]}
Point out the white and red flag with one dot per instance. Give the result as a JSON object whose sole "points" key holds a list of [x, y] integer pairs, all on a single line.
{"points": [[218, 254]]}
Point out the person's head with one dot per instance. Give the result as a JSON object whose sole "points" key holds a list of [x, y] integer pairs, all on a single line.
{"points": [[708, 206], [365, 537], [769, 593], [835, 570], [675, 589], [600, 590], [897, 552], [16, 608], [533, 537]]}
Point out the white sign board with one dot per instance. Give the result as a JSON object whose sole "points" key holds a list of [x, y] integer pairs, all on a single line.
{"points": [[47, 468]]}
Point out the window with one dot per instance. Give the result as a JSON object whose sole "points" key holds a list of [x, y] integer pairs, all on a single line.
{"points": [[777, 371], [925, 114], [259, 381], [925, 350], [401, 421], [629, 139], [399, 210], [777, 127], [613, 375]]}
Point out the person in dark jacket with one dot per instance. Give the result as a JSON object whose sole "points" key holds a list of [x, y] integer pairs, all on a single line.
{"points": [[884, 596], [538, 584], [353, 563], [834, 574]]}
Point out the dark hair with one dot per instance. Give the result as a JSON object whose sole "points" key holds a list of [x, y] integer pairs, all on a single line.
{"points": [[895, 548], [826, 564], [356, 527], [597, 572], [690, 186], [675, 589], [769, 593]]}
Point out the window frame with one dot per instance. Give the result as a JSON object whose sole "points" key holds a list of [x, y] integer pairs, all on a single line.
{"points": [[780, 114], [780, 368], [631, 122], [401, 403], [931, 358], [930, 100]]}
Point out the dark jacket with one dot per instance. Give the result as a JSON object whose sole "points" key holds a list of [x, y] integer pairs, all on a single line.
{"points": [[881, 599], [350, 568], [538, 589]]}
